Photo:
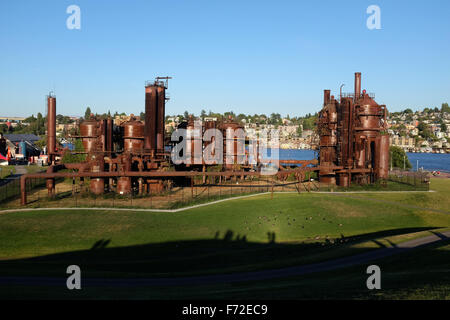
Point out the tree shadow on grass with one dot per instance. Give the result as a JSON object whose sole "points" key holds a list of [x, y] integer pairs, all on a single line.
{"points": [[226, 253]]}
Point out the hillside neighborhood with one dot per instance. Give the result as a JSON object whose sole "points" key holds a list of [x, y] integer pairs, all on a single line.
{"points": [[427, 130]]}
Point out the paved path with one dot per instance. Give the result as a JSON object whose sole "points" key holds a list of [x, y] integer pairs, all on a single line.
{"points": [[20, 170], [237, 277]]}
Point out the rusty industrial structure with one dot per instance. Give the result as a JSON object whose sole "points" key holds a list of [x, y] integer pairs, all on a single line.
{"points": [[354, 144], [134, 157]]}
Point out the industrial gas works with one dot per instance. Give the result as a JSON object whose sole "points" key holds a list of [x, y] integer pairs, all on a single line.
{"points": [[132, 157]]}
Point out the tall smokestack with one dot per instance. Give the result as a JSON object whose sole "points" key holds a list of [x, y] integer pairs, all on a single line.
{"points": [[51, 126], [160, 118], [326, 97], [357, 85], [150, 117]]}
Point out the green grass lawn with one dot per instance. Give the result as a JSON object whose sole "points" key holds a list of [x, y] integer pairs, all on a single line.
{"points": [[238, 235], [5, 171]]}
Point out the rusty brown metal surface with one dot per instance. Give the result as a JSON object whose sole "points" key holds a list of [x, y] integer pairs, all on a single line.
{"points": [[133, 135], [150, 117], [352, 136], [124, 185], [51, 127], [160, 118], [89, 135], [109, 135], [357, 85]]}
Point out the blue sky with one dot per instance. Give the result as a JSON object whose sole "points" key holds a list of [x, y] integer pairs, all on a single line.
{"points": [[245, 56]]}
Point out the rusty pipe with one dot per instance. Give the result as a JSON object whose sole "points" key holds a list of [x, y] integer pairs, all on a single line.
{"points": [[51, 126], [357, 86], [326, 97]]}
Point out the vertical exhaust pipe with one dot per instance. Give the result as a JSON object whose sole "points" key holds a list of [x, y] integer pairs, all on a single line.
{"points": [[357, 86], [160, 118], [150, 117], [326, 97], [51, 126]]}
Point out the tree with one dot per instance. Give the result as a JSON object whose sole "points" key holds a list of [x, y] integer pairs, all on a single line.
{"points": [[3, 128], [399, 159], [443, 127], [203, 114], [69, 157], [445, 108], [424, 130], [40, 125], [309, 122], [87, 114]]}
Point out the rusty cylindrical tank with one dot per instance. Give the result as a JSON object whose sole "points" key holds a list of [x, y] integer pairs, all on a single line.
{"points": [[343, 180], [97, 185], [234, 146], [194, 143], [124, 185], [51, 126], [134, 132], [89, 134], [383, 157]]}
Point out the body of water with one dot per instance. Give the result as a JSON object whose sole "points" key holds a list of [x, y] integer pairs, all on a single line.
{"points": [[430, 161], [427, 161]]}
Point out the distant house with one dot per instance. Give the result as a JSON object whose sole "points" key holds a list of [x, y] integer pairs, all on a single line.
{"points": [[16, 137], [14, 140]]}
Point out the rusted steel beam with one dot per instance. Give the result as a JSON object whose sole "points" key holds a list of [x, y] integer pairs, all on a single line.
{"points": [[298, 161], [161, 174]]}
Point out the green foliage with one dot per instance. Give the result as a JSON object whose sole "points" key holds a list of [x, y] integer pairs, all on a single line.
{"points": [[87, 113], [399, 159], [445, 108], [63, 119], [309, 123], [42, 142], [70, 157], [3, 128], [424, 130]]}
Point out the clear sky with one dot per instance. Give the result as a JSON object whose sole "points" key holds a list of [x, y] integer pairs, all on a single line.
{"points": [[246, 56]]}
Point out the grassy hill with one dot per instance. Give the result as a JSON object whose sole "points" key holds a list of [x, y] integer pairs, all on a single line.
{"points": [[238, 235]]}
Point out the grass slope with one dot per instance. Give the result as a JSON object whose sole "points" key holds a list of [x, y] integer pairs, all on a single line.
{"points": [[237, 235]]}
